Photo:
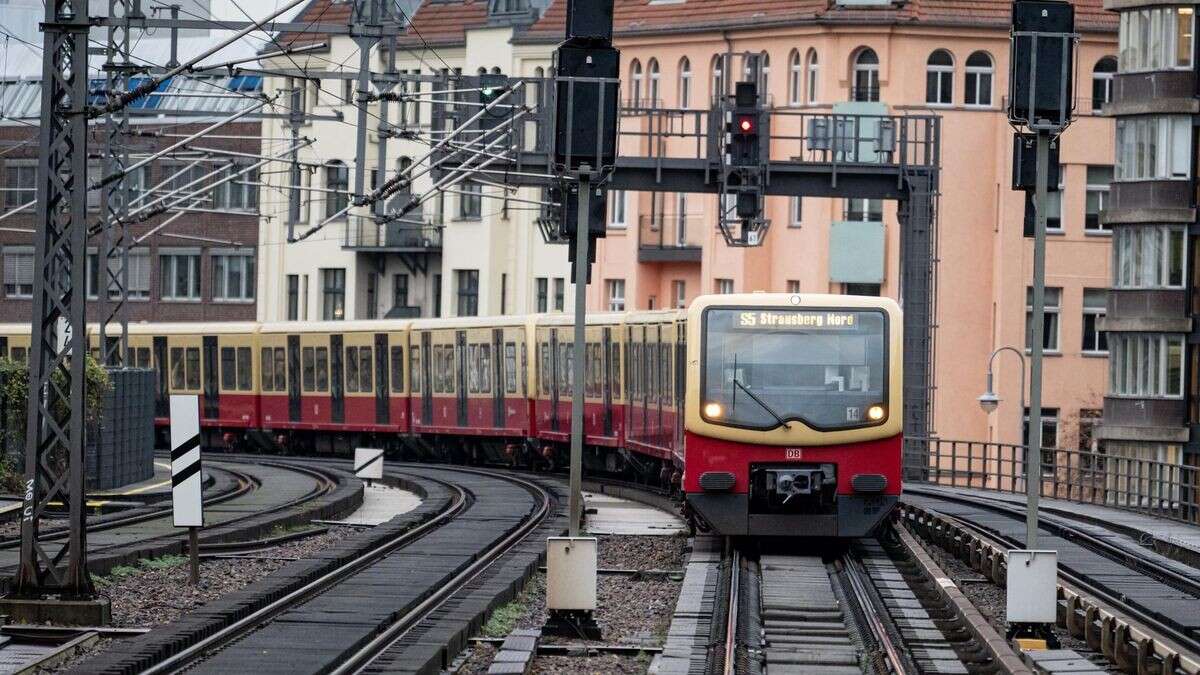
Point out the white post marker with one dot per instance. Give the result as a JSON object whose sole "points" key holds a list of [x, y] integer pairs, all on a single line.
{"points": [[368, 464], [186, 478]]}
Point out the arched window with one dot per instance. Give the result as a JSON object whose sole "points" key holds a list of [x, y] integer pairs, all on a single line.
{"points": [[481, 71], [635, 83], [337, 178], [979, 80], [496, 70], [718, 76], [652, 92], [533, 95], [795, 78], [865, 84], [939, 78], [685, 83], [814, 70], [756, 68], [1102, 79], [764, 72]]}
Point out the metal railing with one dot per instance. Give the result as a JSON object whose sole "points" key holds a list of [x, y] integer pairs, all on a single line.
{"points": [[1161, 489], [671, 231], [366, 233]]}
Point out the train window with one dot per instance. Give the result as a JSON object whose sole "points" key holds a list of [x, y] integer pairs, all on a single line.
{"points": [[666, 379], [366, 369], [451, 373], [178, 374], [322, 369], [510, 368], [141, 357], [568, 368], [651, 373], [436, 369], [280, 369], [397, 369], [352, 370], [228, 369], [594, 369], [485, 369], [245, 377], [473, 368], [614, 373], [268, 382], [308, 368], [193, 367], [544, 372], [414, 369], [524, 370]]}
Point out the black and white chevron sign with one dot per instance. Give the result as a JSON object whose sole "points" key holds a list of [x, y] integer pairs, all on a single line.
{"points": [[186, 478], [368, 463]]}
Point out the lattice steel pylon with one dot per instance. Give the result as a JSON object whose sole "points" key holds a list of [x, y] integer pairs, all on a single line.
{"points": [[54, 459], [114, 238]]}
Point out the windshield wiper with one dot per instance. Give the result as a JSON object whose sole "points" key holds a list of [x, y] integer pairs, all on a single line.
{"points": [[784, 423]]}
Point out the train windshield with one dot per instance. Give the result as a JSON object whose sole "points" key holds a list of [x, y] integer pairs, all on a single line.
{"points": [[764, 368]]}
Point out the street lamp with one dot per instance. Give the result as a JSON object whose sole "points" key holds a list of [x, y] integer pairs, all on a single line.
{"points": [[989, 401]]}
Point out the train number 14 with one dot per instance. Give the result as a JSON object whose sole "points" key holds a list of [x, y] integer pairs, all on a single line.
{"points": [[794, 453]]}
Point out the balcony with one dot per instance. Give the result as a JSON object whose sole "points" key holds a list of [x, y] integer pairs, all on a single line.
{"points": [[406, 236], [670, 238]]}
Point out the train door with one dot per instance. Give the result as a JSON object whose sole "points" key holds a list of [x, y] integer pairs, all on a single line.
{"points": [[606, 379], [498, 378], [382, 413], [162, 398], [426, 379], [212, 391], [680, 371], [554, 379], [337, 383], [293, 373], [460, 363]]}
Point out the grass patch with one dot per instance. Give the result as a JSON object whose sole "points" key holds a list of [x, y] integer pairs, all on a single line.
{"points": [[164, 562], [122, 572], [504, 619], [280, 530]]}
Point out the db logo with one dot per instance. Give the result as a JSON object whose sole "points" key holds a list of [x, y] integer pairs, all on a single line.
{"points": [[794, 453]]}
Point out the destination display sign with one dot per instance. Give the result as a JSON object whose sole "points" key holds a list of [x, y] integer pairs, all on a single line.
{"points": [[797, 319]]}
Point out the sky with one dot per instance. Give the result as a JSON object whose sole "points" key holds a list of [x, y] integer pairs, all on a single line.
{"points": [[19, 26]]}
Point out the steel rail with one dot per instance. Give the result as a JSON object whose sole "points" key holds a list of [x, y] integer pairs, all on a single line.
{"points": [[731, 620], [367, 654], [249, 623], [893, 662]]}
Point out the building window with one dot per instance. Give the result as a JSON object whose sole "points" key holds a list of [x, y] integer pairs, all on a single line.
{"points": [[1049, 439], [20, 182], [635, 84], [872, 290], [1098, 179], [333, 294], [865, 85], [756, 68], [939, 78], [685, 83], [470, 201], [179, 276], [467, 289], [1095, 304], [233, 276], [399, 291], [863, 210], [1149, 256], [979, 80], [560, 294], [1156, 39], [795, 78], [793, 285], [1089, 419], [337, 178], [616, 294], [723, 286], [293, 297], [652, 92], [719, 69], [1145, 365], [1053, 209], [437, 295], [18, 272], [543, 294], [238, 194], [1102, 82], [814, 70], [1154, 147], [372, 295], [795, 211], [679, 291], [617, 213], [1050, 324], [137, 284], [304, 297]]}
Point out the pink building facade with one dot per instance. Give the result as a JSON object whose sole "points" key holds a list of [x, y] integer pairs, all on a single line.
{"points": [[946, 58]]}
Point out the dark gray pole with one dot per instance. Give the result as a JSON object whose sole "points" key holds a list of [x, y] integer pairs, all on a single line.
{"points": [[1033, 448], [580, 347], [194, 553]]}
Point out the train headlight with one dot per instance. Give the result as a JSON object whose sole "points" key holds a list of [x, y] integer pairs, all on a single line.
{"points": [[713, 410], [876, 413]]}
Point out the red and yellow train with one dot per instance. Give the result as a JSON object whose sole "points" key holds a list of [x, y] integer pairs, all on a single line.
{"points": [[774, 414]]}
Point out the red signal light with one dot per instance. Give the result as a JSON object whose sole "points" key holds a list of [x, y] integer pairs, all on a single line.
{"points": [[746, 124]]}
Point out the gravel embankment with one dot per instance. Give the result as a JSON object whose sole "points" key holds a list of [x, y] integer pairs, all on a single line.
{"points": [[630, 609]]}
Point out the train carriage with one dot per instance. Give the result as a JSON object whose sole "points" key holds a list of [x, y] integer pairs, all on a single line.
{"points": [[794, 413], [654, 370], [603, 412]]}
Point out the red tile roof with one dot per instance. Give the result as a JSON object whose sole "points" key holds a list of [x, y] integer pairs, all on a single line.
{"points": [[436, 22], [641, 17]]}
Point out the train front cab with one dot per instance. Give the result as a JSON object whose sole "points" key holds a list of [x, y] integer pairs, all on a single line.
{"points": [[820, 364]]}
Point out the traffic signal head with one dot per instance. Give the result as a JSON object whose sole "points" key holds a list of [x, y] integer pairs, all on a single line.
{"points": [[491, 88]]}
